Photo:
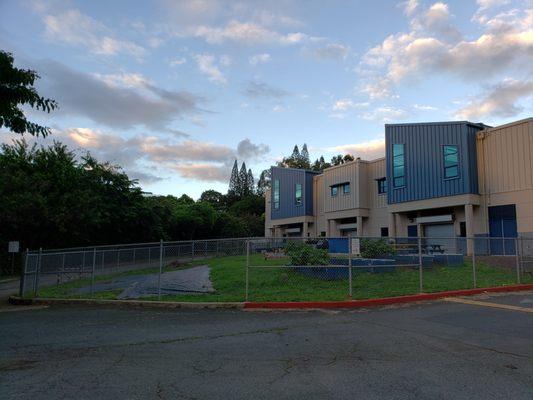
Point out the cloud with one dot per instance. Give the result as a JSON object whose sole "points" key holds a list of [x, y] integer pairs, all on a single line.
{"points": [[260, 59], [331, 51], [434, 47], [366, 150], [247, 33], [423, 107], [207, 65], [501, 100], [409, 7], [117, 101], [346, 104], [204, 172], [77, 29], [177, 61], [257, 90], [384, 114], [248, 151]]}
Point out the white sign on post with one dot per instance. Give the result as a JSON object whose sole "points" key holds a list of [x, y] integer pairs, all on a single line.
{"points": [[356, 247], [13, 247]]}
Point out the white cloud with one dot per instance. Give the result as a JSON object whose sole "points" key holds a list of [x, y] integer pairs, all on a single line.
{"points": [[207, 65], [369, 150], [501, 100], [423, 107], [346, 104], [248, 33], [384, 114], [77, 29], [260, 59], [331, 51], [178, 61], [421, 52]]}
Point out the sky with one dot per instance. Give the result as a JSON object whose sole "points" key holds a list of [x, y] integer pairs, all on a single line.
{"points": [[175, 91]]}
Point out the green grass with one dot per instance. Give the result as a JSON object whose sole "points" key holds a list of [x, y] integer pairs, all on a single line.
{"points": [[228, 275]]}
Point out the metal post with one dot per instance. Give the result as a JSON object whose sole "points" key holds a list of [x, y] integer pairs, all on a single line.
{"points": [[517, 261], [420, 266], [103, 260], [247, 268], [474, 275], [60, 280], [23, 274], [160, 269], [93, 271], [149, 256], [192, 249], [38, 272], [134, 256], [218, 245], [350, 287], [118, 259]]}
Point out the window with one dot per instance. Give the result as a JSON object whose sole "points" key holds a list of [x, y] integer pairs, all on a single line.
{"points": [[382, 185], [398, 165], [298, 195], [334, 191], [451, 161], [276, 194], [384, 232], [462, 228], [346, 188]]}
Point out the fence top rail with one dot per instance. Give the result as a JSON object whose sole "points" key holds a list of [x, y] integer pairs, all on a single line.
{"points": [[124, 246]]}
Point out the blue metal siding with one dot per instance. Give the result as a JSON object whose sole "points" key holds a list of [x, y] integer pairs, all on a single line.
{"points": [[424, 168], [288, 178]]}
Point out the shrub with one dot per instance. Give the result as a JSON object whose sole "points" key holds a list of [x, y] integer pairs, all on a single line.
{"points": [[376, 248], [300, 253]]}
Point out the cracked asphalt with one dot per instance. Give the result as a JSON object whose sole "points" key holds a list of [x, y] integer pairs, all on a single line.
{"points": [[432, 351]]}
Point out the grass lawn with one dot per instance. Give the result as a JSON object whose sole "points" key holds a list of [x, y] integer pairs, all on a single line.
{"points": [[228, 275]]}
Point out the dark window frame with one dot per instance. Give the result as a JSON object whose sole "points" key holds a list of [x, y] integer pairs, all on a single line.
{"points": [[298, 200], [398, 162], [382, 185], [454, 164], [276, 194]]}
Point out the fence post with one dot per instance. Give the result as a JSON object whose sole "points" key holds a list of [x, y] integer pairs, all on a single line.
{"points": [[474, 275], [23, 274], [160, 269], [38, 272], [420, 266], [350, 285], [93, 271], [517, 261], [192, 249], [134, 256], [149, 256], [118, 259], [218, 245], [247, 268]]}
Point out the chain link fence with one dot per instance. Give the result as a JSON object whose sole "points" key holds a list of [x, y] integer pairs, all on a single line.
{"points": [[278, 269], [85, 266], [322, 269]]}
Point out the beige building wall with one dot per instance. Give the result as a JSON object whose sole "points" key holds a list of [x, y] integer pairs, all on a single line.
{"points": [[318, 205], [505, 171], [377, 203]]}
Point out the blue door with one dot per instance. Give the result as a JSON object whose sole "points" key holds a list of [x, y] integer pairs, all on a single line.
{"points": [[412, 232], [502, 224]]}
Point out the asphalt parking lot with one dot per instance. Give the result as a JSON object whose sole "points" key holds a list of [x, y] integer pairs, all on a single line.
{"points": [[437, 350]]}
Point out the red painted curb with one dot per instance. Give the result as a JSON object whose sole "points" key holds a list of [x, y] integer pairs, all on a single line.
{"points": [[383, 301]]}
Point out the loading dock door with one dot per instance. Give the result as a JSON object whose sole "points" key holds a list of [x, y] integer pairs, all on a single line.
{"points": [[502, 224], [440, 234]]}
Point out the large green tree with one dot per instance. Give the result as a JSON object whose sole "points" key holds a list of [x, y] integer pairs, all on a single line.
{"points": [[16, 90]]}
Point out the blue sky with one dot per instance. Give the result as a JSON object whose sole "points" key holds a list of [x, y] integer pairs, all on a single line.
{"points": [[176, 91]]}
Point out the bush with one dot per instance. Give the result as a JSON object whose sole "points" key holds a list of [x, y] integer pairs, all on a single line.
{"points": [[300, 253], [376, 248]]}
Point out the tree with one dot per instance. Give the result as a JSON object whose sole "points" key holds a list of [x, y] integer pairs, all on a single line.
{"points": [[320, 164], [296, 160], [339, 159], [250, 182], [264, 182], [243, 180], [234, 180], [216, 199], [304, 155], [16, 90]]}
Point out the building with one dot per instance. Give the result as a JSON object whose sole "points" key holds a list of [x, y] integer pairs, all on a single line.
{"points": [[439, 179]]}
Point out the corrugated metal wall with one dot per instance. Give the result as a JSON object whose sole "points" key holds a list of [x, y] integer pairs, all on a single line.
{"points": [[424, 169], [505, 158], [288, 179]]}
